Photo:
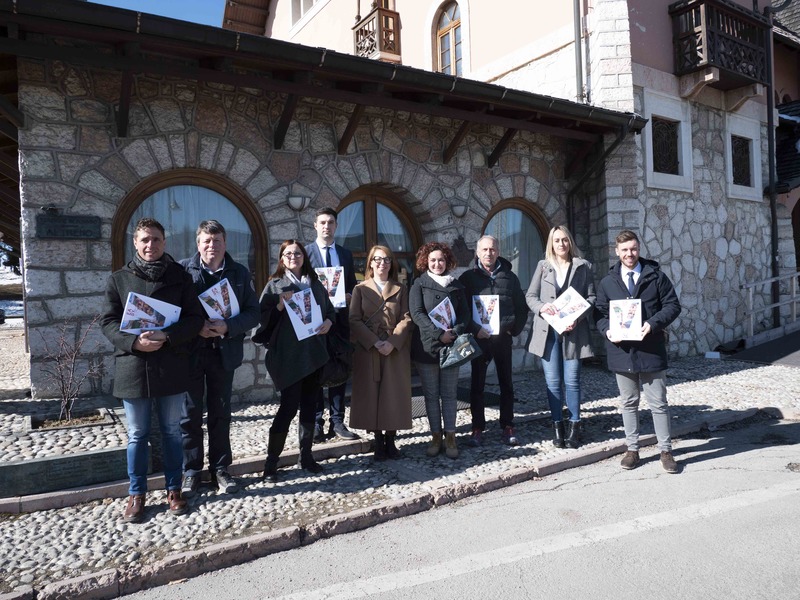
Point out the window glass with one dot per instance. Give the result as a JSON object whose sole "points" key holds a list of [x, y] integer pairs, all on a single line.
{"points": [[350, 227], [180, 209], [363, 224], [740, 155], [520, 241], [665, 146], [449, 39]]}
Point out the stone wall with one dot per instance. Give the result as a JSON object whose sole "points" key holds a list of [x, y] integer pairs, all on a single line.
{"points": [[71, 159]]}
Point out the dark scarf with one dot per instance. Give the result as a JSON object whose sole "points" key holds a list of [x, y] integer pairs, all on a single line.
{"points": [[153, 270]]}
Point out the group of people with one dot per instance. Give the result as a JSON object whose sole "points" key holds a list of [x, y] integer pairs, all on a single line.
{"points": [[187, 368]]}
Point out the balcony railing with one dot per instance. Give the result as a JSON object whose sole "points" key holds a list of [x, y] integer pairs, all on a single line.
{"points": [[721, 34], [378, 35]]}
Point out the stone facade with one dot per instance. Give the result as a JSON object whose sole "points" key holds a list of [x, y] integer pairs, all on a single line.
{"points": [[72, 160]]}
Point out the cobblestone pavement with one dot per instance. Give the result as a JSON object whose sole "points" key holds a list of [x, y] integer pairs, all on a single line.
{"points": [[52, 545]]}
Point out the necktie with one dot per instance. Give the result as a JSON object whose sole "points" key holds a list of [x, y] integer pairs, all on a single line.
{"points": [[631, 285], [328, 256]]}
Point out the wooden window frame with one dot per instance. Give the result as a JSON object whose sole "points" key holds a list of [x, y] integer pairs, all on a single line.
{"points": [[448, 33], [200, 178]]}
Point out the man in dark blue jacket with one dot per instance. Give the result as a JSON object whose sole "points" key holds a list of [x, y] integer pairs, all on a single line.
{"points": [[324, 252], [219, 353], [640, 364], [491, 275]]}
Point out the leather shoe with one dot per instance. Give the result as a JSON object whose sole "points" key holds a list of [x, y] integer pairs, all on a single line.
{"points": [[134, 512], [630, 460], [177, 505], [342, 432], [668, 462]]}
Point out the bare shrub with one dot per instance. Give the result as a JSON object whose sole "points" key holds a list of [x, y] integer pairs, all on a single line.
{"points": [[61, 361]]}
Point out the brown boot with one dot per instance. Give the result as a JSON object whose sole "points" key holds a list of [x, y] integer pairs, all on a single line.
{"points": [[177, 505], [134, 512], [630, 460], [436, 444], [450, 446]]}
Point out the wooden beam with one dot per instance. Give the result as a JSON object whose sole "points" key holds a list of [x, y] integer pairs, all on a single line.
{"points": [[8, 130], [12, 113], [283, 123], [501, 146], [9, 194], [456, 141], [124, 109], [7, 171], [350, 130], [10, 161]]}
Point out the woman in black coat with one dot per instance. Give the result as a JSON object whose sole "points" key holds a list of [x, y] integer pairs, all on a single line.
{"points": [[293, 364], [440, 386]]}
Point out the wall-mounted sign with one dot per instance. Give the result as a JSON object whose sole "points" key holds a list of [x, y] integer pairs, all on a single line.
{"points": [[68, 227]]}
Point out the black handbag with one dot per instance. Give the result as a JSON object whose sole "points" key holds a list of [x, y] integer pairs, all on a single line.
{"points": [[340, 362], [464, 349]]}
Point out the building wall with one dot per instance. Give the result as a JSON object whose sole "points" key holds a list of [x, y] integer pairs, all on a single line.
{"points": [[71, 160]]}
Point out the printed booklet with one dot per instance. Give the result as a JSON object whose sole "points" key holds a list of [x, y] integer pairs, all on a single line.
{"points": [[443, 315], [219, 301], [304, 313], [570, 305], [625, 319], [142, 313], [333, 280], [486, 312]]}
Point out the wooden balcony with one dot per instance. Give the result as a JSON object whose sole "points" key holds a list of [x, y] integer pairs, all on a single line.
{"points": [[721, 35], [378, 35]]}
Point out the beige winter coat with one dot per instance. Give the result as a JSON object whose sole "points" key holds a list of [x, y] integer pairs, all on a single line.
{"points": [[381, 398]]}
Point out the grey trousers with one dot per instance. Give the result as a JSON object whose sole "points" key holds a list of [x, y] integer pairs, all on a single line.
{"points": [[654, 387], [439, 383]]}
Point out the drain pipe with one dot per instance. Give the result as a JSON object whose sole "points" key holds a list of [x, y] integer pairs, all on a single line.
{"points": [[623, 132], [576, 9], [769, 11]]}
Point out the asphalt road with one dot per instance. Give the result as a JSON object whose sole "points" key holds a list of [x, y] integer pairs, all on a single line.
{"points": [[727, 527]]}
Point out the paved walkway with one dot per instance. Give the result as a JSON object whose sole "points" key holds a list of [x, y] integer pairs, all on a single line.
{"points": [[77, 545]]}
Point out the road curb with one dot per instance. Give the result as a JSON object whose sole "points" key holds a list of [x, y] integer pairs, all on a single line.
{"points": [[112, 583]]}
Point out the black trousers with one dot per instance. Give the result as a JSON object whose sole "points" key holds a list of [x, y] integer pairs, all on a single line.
{"points": [[302, 396], [497, 348]]}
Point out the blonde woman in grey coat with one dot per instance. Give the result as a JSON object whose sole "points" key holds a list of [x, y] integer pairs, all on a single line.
{"points": [[561, 355]]}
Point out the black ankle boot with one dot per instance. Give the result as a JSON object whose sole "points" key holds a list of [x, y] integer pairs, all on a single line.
{"points": [[306, 432], [558, 434], [380, 447], [572, 434], [274, 448], [391, 450]]}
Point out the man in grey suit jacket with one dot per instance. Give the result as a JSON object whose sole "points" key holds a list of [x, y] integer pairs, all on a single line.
{"points": [[324, 252]]}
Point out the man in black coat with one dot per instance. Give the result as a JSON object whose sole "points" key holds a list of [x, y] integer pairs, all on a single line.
{"points": [[640, 364], [324, 252], [491, 275], [151, 368], [219, 353]]}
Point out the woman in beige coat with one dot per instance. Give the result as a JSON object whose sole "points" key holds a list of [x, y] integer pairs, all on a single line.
{"points": [[380, 328]]}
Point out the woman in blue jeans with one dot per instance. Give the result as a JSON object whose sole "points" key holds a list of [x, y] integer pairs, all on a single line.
{"points": [[561, 354]]}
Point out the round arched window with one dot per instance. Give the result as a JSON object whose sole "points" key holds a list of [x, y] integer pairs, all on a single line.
{"points": [[180, 200], [520, 240], [373, 218], [181, 208]]}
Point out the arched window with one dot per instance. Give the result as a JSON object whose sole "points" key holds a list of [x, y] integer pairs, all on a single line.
{"points": [[373, 217], [179, 200], [448, 40], [521, 230]]}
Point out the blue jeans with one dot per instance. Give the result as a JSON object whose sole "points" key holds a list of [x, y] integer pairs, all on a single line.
{"points": [[561, 375], [138, 413]]}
